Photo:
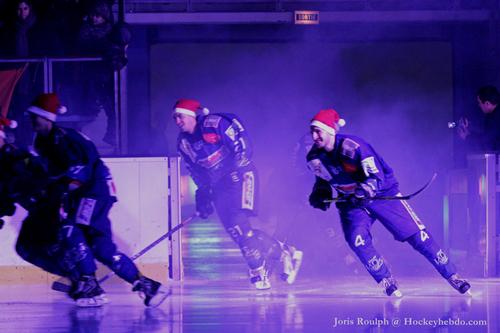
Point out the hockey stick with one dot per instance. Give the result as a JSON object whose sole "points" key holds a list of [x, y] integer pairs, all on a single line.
{"points": [[402, 197], [59, 286]]}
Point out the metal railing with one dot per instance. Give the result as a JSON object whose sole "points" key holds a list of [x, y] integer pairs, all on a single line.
{"points": [[117, 94]]}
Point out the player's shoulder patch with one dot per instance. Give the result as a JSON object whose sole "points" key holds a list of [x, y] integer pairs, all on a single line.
{"points": [[369, 166], [348, 148], [212, 121], [319, 170]]}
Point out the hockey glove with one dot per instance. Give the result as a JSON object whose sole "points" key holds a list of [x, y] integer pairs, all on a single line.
{"points": [[204, 203], [321, 191], [364, 192]]}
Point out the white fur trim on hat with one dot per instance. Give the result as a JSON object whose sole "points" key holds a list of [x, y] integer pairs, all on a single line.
{"points": [[185, 111], [42, 113], [323, 126]]}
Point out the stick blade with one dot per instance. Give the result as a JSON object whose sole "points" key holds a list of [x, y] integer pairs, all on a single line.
{"points": [[59, 285]]}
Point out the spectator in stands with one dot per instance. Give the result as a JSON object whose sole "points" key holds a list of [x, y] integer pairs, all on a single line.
{"points": [[20, 36], [484, 135], [23, 37], [99, 37]]}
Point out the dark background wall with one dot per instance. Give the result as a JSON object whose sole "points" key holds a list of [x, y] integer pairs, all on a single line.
{"points": [[396, 85]]}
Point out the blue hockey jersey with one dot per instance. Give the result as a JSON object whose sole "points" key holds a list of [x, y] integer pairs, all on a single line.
{"points": [[218, 146], [71, 156], [351, 161]]}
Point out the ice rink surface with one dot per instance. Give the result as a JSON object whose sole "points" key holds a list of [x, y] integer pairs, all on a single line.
{"points": [[337, 305]]}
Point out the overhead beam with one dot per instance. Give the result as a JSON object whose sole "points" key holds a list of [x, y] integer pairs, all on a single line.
{"points": [[324, 17]]}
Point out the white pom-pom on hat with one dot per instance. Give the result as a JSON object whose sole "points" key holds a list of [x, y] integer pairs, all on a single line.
{"points": [[7, 122], [62, 109]]}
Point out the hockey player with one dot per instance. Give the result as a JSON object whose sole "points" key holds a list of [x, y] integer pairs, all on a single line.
{"points": [[73, 159], [217, 152], [359, 175], [7, 207], [23, 180]]}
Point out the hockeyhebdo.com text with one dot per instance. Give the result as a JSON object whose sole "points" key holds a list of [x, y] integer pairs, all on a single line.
{"points": [[406, 322]]}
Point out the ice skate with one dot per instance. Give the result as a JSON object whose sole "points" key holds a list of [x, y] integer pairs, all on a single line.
{"points": [[151, 291], [390, 287], [260, 278], [87, 292], [292, 260], [459, 284]]}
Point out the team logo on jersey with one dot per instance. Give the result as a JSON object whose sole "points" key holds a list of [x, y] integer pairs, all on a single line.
{"points": [[349, 167], [231, 133], [248, 195], [318, 169], [369, 166], [212, 121], [211, 138]]}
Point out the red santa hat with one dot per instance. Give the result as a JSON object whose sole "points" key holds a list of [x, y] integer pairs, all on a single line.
{"points": [[189, 107], [47, 106], [4, 122], [328, 120]]}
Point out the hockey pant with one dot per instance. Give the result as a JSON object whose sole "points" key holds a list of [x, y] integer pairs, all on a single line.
{"points": [[37, 242], [235, 201], [404, 225], [93, 228]]}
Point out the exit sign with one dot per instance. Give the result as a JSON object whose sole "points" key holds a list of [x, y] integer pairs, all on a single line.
{"points": [[306, 17]]}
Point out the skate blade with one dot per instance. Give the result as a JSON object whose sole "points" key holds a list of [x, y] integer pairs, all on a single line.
{"points": [[160, 297], [90, 302], [262, 285], [467, 291], [396, 294], [297, 262]]}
